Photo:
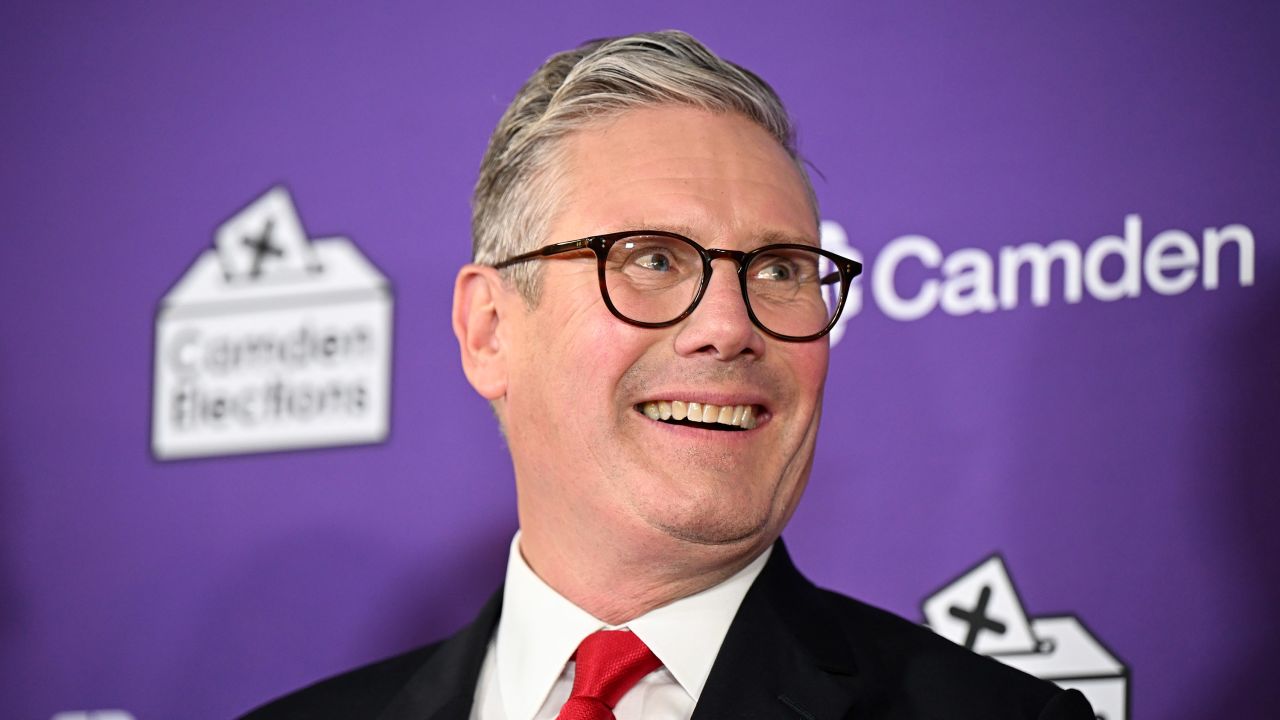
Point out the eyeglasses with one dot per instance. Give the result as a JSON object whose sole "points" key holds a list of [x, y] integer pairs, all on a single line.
{"points": [[653, 279]]}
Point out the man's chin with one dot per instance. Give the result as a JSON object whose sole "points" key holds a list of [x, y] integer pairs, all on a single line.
{"points": [[715, 531]]}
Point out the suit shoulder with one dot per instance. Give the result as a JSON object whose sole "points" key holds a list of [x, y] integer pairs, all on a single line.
{"points": [[940, 678], [362, 692], [442, 672]]}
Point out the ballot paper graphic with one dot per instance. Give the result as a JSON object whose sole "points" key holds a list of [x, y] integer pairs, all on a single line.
{"points": [[982, 611], [271, 341]]}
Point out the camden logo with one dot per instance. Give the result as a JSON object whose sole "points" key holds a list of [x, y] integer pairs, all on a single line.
{"points": [[982, 611], [271, 341], [911, 277]]}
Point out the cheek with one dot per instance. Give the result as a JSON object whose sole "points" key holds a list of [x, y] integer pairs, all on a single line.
{"points": [[808, 365], [580, 353], [537, 366]]}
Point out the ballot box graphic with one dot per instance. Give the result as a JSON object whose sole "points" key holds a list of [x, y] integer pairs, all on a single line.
{"points": [[272, 341], [982, 610]]}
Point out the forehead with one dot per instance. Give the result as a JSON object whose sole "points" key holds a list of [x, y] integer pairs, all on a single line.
{"points": [[717, 177]]}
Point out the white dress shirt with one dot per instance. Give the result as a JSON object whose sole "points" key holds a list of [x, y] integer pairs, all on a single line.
{"points": [[527, 673]]}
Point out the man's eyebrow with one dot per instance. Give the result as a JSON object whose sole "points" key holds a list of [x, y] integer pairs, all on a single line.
{"points": [[764, 237], [775, 237], [639, 223]]}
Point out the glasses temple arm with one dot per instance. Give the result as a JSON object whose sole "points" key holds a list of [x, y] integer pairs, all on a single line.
{"points": [[545, 251]]}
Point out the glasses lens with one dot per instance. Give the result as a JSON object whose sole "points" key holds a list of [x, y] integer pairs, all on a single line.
{"points": [[793, 291], [652, 278]]}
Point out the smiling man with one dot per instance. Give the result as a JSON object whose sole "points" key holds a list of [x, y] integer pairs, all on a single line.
{"points": [[647, 313]]}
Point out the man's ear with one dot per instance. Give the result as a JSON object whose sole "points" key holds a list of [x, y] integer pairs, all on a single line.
{"points": [[478, 310]]}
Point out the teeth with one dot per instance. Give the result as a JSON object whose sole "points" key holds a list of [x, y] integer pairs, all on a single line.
{"points": [[695, 412], [743, 416]]}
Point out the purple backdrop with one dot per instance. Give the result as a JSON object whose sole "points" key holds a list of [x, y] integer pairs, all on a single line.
{"points": [[1118, 454]]}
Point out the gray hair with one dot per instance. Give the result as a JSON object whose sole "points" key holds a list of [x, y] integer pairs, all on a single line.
{"points": [[515, 195]]}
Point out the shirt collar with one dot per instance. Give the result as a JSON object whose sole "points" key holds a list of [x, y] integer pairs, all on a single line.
{"points": [[540, 629]]}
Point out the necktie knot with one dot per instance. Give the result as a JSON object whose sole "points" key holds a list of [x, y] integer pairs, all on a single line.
{"points": [[608, 664]]}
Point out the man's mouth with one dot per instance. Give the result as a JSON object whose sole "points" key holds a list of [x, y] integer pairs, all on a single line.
{"points": [[703, 415]]}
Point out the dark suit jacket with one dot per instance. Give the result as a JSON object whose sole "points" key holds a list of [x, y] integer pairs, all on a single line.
{"points": [[793, 652]]}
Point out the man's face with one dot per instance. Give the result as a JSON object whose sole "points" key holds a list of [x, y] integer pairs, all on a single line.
{"points": [[578, 378]]}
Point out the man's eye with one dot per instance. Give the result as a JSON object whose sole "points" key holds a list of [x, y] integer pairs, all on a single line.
{"points": [[776, 271], [656, 261]]}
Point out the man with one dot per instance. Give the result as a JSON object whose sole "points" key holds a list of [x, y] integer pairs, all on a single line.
{"points": [[647, 314]]}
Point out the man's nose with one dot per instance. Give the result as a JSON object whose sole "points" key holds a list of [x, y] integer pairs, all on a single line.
{"points": [[720, 325]]}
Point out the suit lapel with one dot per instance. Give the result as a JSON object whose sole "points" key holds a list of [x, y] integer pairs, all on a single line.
{"points": [[444, 688], [780, 658]]}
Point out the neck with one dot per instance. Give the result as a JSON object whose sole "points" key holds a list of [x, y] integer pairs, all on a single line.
{"points": [[618, 582]]}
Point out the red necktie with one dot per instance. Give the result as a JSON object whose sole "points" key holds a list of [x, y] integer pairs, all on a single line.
{"points": [[609, 662]]}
